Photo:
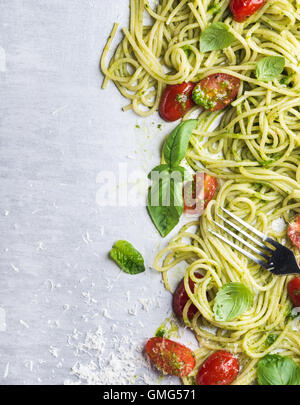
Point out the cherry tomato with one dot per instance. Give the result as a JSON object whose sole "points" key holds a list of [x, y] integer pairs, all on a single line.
{"points": [[170, 357], [216, 91], [294, 291], [221, 368], [176, 101], [242, 9], [294, 231], [197, 195], [180, 298]]}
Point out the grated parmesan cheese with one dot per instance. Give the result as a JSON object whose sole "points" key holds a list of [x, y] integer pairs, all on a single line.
{"points": [[120, 366]]}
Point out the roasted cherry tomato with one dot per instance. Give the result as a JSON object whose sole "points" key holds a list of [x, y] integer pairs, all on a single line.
{"points": [[197, 195], [170, 357], [176, 101], [242, 9], [294, 291], [221, 368], [180, 298], [216, 91], [294, 231]]}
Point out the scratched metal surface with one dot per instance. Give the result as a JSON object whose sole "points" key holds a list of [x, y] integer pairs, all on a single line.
{"points": [[58, 132]]}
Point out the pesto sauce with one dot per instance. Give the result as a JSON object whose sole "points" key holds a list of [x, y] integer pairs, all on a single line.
{"points": [[167, 329], [203, 99]]}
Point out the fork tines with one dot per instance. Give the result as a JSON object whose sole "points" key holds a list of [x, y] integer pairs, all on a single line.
{"points": [[265, 263], [276, 258]]}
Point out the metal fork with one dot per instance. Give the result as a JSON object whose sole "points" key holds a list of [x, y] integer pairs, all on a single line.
{"points": [[276, 258]]}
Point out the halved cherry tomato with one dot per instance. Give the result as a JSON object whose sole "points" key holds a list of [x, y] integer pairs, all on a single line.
{"points": [[242, 9], [294, 231], [221, 368], [180, 298], [216, 91], [197, 194], [294, 291], [176, 101], [170, 357]]}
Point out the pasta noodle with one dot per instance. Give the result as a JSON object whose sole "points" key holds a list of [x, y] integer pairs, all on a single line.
{"points": [[254, 150]]}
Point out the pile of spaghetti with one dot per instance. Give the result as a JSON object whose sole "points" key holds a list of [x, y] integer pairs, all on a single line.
{"points": [[254, 150]]}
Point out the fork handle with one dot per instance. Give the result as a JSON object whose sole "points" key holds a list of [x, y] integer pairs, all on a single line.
{"points": [[283, 264]]}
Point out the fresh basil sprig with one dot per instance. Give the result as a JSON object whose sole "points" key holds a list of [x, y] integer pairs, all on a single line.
{"points": [[216, 36], [232, 300], [165, 200], [270, 68], [274, 369], [127, 257]]}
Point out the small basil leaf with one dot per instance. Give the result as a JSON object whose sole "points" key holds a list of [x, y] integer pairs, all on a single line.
{"points": [[270, 68], [127, 257], [274, 369], [158, 169], [216, 36], [232, 300], [165, 201], [177, 142]]}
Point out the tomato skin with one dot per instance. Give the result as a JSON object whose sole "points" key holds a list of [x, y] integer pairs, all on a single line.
{"points": [[176, 101], [242, 9], [294, 291], [210, 186], [221, 368], [216, 91], [205, 193], [180, 298], [170, 357], [294, 231]]}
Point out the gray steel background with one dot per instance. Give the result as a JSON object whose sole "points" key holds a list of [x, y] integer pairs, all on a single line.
{"points": [[58, 131]]}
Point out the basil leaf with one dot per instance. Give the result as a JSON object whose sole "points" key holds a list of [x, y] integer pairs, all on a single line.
{"points": [[232, 300], [274, 369], [270, 68], [292, 314], [276, 157], [286, 79], [186, 175], [127, 257], [216, 36], [177, 142], [165, 218], [165, 201]]}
